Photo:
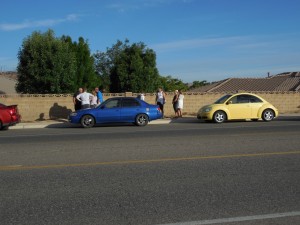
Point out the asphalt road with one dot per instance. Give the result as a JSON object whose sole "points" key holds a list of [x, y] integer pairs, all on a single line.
{"points": [[183, 173]]}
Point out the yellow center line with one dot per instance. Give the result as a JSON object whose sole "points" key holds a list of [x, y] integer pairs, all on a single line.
{"points": [[20, 167]]}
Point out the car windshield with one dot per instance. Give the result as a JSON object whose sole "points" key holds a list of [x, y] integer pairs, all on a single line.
{"points": [[223, 99]]}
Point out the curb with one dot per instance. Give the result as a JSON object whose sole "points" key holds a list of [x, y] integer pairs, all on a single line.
{"points": [[66, 124], [54, 124]]}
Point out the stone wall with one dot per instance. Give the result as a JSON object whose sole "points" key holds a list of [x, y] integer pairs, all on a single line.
{"points": [[34, 107]]}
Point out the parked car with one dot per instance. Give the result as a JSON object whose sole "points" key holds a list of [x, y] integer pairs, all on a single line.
{"points": [[117, 110], [9, 116], [238, 106]]}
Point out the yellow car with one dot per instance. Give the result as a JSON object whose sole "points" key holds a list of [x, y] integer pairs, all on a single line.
{"points": [[238, 106]]}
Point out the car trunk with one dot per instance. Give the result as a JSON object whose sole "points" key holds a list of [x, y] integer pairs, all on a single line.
{"points": [[14, 113]]}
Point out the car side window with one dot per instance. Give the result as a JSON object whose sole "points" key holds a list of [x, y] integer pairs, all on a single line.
{"points": [[128, 102], [254, 99], [243, 99], [233, 100], [112, 104]]}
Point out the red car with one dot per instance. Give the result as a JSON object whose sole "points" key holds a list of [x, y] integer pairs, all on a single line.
{"points": [[9, 115]]}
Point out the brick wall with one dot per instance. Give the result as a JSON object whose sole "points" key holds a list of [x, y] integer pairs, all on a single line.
{"points": [[39, 107]]}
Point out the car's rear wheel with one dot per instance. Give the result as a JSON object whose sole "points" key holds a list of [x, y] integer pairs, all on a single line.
{"points": [[219, 117], [268, 115], [141, 120], [87, 121], [3, 127]]}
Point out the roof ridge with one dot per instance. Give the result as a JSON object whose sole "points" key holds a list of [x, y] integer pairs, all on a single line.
{"points": [[221, 84], [297, 88]]}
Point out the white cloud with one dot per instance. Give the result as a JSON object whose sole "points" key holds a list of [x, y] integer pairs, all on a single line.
{"points": [[196, 43], [137, 4], [38, 23], [234, 44]]}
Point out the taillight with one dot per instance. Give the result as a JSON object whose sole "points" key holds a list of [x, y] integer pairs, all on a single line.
{"points": [[12, 111]]}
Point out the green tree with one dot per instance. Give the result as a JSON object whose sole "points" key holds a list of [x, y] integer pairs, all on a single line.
{"points": [[197, 84], [86, 75], [46, 65], [128, 67], [168, 83], [105, 64]]}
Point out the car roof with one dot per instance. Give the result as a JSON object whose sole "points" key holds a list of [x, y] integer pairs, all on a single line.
{"points": [[121, 97], [246, 93]]}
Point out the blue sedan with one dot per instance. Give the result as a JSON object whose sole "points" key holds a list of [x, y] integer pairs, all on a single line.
{"points": [[117, 110]]}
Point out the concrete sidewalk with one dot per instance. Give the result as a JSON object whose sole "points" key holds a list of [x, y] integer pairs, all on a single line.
{"points": [[63, 123], [66, 124]]}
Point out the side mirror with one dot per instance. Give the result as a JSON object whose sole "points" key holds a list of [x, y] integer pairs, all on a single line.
{"points": [[102, 107], [229, 102]]}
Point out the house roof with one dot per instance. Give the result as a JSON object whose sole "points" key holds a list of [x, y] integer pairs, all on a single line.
{"points": [[289, 81], [7, 83]]}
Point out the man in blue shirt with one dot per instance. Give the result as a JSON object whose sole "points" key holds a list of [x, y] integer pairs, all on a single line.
{"points": [[99, 96]]}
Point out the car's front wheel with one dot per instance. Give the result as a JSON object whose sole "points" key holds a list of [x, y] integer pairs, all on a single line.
{"points": [[87, 121], [268, 115], [141, 120], [219, 116]]}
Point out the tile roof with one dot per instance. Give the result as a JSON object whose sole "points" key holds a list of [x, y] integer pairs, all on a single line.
{"points": [[289, 81], [7, 85]]}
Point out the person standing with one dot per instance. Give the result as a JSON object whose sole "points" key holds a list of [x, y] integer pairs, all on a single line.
{"points": [[94, 100], [175, 103], [160, 99], [141, 96], [77, 103], [180, 103], [99, 96], [85, 99]]}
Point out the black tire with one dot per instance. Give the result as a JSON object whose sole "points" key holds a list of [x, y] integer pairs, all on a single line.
{"points": [[87, 121], [268, 115], [219, 116], [141, 120], [3, 127]]}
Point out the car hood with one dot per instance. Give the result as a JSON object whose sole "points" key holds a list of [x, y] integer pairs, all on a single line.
{"points": [[208, 106]]}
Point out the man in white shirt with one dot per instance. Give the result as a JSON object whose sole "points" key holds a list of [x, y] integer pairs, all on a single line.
{"points": [[85, 99], [160, 99]]}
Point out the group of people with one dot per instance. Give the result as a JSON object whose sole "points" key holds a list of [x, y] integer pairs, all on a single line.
{"points": [[177, 101], [84, 100]]}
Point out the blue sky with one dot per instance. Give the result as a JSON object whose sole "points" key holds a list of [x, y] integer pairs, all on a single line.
{"points": [[193, 39]]}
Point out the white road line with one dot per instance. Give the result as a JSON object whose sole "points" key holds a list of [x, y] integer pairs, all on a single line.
{"points": [[238, 219]]}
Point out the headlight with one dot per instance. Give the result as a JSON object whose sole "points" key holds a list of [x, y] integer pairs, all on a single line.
{"points": [[73, 114], [207, 109]]}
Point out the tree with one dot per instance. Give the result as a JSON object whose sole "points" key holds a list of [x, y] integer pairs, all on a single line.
{"points": [[127, 67], [86, 75], [46, 65], [197, 84], [169, 83], [103, 68]]}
